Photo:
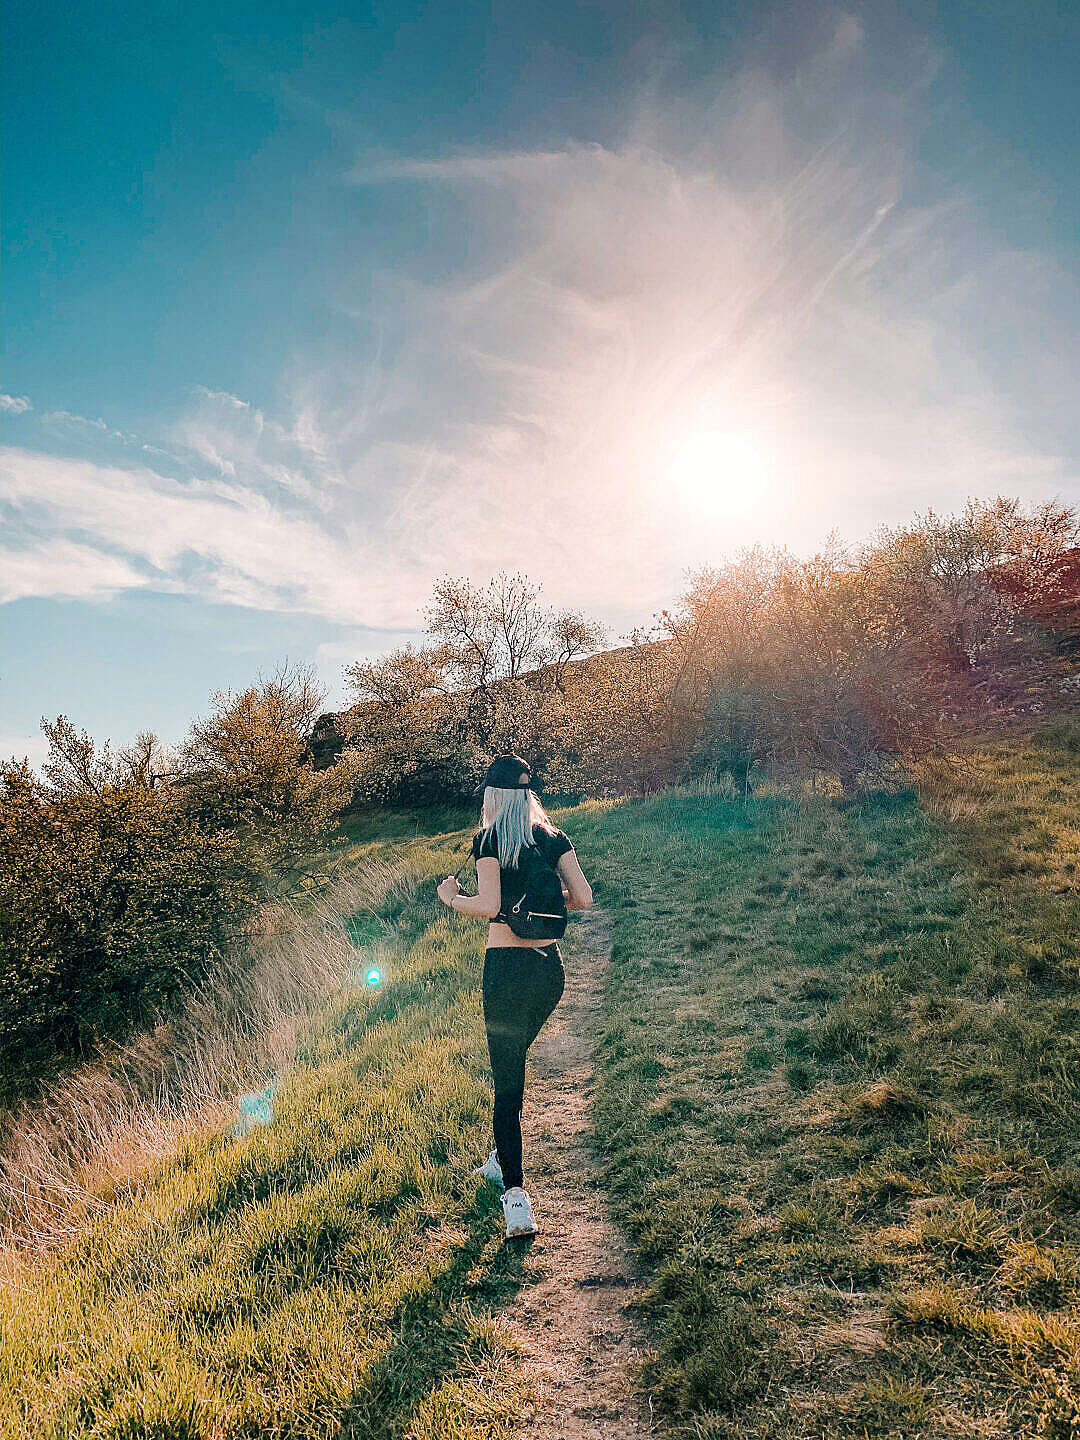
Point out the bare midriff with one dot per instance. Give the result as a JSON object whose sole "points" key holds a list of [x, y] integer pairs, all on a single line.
{"points": [[500, 935]]}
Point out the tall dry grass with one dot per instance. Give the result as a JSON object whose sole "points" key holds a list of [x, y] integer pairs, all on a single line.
{"points": [[105, 1124]]}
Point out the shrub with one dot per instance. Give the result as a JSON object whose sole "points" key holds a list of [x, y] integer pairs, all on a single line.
{"points": [[123, 877], [246, 769], [109, 902], [785, 667]]}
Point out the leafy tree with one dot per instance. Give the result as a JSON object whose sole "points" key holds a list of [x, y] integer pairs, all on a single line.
{"points": [[847, 659], [782, 664], [1040, 568], [570, 636], [933, 579], [246, 768], [427, 719], [400, 677]]}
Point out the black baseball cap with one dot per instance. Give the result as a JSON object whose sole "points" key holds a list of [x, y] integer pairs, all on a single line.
{"points": [[505, 772]]}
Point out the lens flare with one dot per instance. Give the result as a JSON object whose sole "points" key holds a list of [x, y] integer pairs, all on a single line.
{"points": [[373, 976]]}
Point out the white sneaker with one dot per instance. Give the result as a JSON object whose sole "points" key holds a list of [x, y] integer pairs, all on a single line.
{"points": [[517, 1207], [491, 1171]]}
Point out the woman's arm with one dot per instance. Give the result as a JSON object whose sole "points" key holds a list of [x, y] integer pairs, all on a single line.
{"points": [[488, 899], [578, 890]]}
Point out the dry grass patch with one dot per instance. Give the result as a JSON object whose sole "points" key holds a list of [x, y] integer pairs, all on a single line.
{"points": [[104, 1125], [337, 1273]]}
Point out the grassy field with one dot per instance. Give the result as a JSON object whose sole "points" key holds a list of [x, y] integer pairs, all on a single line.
{"points": [[331, 1275], [839, 1099]]}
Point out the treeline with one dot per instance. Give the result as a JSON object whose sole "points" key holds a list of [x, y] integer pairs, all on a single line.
{"points": [[842, 664], [124, 877]]}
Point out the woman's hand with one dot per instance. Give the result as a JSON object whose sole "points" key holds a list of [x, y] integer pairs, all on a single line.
{"points": [[448, 889]]}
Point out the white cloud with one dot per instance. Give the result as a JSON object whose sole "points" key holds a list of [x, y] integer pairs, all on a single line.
{"points": [[227, 542], [15, 404], [235, 437], [222, 397], [496, 167], [60, 567], [65, 418]]}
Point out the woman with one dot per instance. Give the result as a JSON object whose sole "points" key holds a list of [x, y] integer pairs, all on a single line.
{"points": [[523, 981]]}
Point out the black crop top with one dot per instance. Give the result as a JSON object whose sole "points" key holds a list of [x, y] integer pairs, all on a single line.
{"points": [[550, 846]]}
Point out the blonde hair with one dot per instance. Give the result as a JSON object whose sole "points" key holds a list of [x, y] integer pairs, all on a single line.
{"points": [[512, 815]]}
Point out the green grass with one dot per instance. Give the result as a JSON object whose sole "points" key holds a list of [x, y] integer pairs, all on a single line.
{"points": [[839, 1103], [840, 1098], [380, 825]]}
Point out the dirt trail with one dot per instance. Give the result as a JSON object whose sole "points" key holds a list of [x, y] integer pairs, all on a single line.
{"points": [[571, 1314]]}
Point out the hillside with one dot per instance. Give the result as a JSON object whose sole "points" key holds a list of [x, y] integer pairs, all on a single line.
{"points": [[835, 1107], [331, 731], [1035, 673]]}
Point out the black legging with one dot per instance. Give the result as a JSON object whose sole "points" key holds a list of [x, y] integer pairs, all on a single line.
{"points": [[522, 986]]}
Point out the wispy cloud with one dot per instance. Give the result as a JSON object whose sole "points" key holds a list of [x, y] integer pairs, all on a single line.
{"points": [[65, 419], [227, 542], [15, 404], [235, 438], [761, 255], [92, 429], [509, 166], [61, 567]]}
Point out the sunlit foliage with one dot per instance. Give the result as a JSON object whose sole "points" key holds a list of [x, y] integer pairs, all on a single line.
{"points": [[124, 877]]}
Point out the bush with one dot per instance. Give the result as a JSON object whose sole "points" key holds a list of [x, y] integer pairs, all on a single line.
{"points": [[620, 732], [247, 769], [109, 902], [123, 878], [783, 667]]}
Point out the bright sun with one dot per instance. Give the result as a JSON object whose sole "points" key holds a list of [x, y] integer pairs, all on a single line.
{"points": [[719, 473]]}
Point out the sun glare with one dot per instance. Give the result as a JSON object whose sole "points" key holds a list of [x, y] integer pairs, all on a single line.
{"points": [[719, 473]]}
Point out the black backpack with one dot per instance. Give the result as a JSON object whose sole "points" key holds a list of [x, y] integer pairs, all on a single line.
{"points": [[536, 910]]}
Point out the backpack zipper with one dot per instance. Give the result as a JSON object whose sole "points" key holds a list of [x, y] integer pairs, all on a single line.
{"points": [[538, 914]]}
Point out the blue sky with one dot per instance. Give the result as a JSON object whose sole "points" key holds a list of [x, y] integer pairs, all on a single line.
{"points": [[304, 307]]}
